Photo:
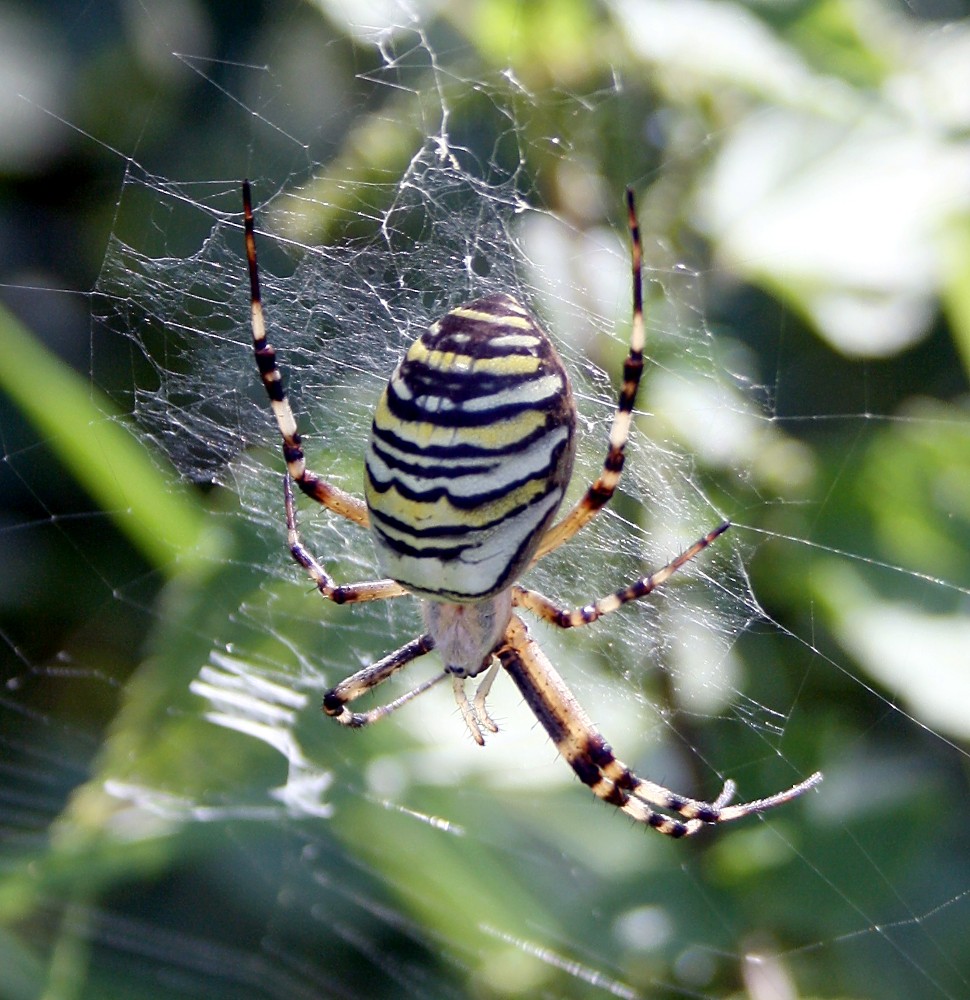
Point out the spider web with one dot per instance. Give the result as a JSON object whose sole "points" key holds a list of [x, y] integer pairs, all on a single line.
{"points": [[193, 827]]}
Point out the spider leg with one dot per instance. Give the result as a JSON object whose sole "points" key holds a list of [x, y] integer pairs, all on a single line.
{"points": [[349, 593], [543, 607], [309, 482], [335, 701], [474, 713], [600, 492], [593, 760], [481, 693]]}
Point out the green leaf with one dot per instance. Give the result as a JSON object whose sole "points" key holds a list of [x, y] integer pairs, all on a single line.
{"points": [[91, 438]]}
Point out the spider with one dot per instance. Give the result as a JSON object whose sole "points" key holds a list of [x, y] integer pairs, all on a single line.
{"points": [[469, 457]]}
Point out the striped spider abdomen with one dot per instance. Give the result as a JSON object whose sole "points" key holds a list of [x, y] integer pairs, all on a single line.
{"points": [[470, 452]]}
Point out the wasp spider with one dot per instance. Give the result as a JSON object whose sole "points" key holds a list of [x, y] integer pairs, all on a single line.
{"points": [[469, 456]]}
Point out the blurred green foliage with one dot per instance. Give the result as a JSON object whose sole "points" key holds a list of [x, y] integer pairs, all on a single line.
{"points": [[810, 160]]}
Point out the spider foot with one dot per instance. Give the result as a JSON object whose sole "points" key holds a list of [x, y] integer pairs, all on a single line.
{"points": [[646, 798], [778, 799]]}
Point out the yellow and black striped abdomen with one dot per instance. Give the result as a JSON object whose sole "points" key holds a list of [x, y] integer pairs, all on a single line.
{"points": [[470, 452]]}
